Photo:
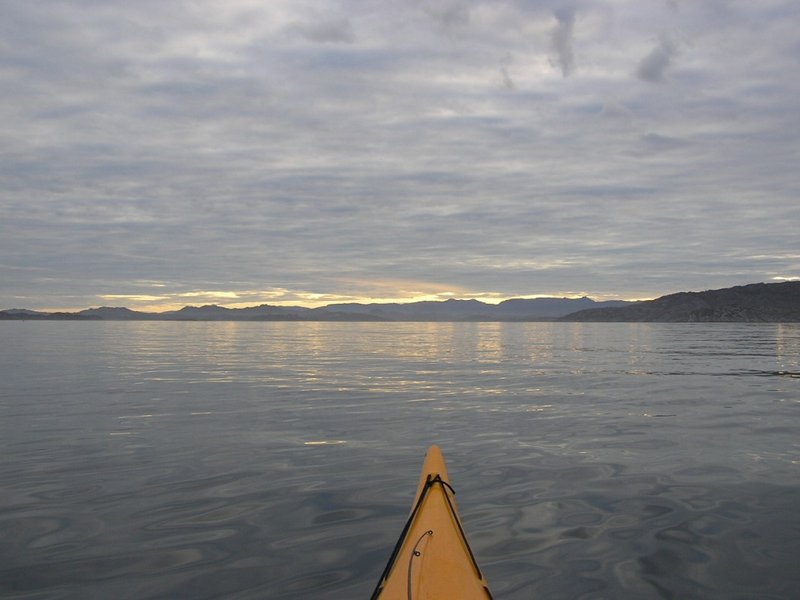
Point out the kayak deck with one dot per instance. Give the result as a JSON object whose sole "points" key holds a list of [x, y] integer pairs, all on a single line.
{"points": [[432, 559]]}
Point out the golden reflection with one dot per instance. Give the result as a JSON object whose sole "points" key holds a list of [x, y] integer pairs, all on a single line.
{"points": [[787, 347], [422, 360], [325, 443]]}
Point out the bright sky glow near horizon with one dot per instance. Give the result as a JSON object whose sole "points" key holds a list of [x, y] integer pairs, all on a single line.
{"points": [[160, 153]]}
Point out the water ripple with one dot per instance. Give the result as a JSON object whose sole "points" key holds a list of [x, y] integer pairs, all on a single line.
{"points": [[244, 461]]}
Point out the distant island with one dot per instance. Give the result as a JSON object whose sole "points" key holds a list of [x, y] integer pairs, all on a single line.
{"points": [[758, 302]]}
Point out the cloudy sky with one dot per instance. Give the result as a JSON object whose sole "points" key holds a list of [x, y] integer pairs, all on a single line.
{"points": [[160, 153]]}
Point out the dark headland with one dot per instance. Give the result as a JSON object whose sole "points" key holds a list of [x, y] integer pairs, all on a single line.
{"points": [[754, 303], [758, 302]]}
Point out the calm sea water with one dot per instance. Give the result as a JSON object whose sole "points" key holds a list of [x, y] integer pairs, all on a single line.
{"points": [[279, 460]]}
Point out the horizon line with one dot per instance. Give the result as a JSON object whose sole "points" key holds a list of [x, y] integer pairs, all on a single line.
{"points": [[493, 301], [284, 298]]}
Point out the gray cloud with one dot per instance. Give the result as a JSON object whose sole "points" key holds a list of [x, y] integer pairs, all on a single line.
{"points": [[561, 40], [508, 82], [653, 67], [450, 14], [654, 143], [325, 30]]}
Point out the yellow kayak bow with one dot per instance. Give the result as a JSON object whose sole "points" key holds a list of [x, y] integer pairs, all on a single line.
{"points": [[432, 559]]}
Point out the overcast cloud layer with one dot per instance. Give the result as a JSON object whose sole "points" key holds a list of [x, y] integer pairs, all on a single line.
{"points": [[161, 152]]}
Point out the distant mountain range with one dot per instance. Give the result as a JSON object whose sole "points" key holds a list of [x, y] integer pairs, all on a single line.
{"points": [[536, 309], [759, 302]]}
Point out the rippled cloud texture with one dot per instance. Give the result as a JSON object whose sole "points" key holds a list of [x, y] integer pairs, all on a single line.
{"points": [[159, 152]]}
